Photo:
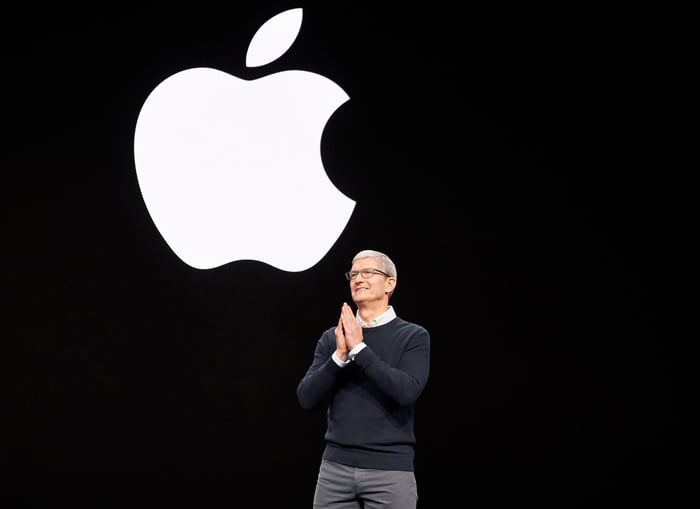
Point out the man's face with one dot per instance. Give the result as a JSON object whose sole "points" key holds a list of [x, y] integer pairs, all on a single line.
{"points": [[367, 285]]}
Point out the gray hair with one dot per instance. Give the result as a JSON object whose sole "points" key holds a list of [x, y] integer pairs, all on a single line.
{"points": [[385, 263]]}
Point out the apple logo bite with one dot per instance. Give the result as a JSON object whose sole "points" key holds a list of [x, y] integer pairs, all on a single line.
{"points": [[230, 169]]}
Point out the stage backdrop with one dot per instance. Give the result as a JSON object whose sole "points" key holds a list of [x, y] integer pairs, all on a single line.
{"points": [[516, 162]]}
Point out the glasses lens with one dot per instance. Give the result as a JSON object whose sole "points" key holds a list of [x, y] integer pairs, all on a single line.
{"points": [[366, 274]]}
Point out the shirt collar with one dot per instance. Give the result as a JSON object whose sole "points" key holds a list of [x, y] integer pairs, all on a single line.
{"points": [[385, 317]]}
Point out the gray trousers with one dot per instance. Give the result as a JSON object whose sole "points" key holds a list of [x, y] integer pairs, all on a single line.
{"points": [[343, 487]]}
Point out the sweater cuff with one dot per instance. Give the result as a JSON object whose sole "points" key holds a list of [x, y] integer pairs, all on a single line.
{"points": [[340, 362], [358, 348]]}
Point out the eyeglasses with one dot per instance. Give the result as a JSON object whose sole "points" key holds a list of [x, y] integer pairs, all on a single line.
{"points": [[365, 273]]}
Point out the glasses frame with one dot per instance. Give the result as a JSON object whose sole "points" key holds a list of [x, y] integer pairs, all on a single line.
{"points": [[349, 277]]}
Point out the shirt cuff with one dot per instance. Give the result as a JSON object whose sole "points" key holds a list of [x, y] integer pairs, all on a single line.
{"points": [[358, 348], [339, 362]]}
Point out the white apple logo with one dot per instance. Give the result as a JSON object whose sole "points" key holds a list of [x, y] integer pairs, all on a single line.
{"points": [[230, 169]]}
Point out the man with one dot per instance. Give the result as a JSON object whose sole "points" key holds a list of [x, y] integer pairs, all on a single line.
{"points": [[368, 370]]}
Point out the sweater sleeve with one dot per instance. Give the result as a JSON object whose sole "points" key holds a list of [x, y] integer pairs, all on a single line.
{"points": [[405, 382], [315, 387]]}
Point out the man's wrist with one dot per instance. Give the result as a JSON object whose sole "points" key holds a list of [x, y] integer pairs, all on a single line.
{"points": [[356, 349], [340, 362]]}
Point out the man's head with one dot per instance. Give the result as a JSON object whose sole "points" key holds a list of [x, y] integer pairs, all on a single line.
{"points": [[372, 277]]}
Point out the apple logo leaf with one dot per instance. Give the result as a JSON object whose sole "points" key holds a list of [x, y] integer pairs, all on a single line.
{"points": [[274, 37]]}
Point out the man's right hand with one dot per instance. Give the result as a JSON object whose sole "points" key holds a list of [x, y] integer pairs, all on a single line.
{"points": [[341, 349]]}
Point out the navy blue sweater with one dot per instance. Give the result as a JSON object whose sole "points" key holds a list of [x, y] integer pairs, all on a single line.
{"points": [[370, 401]]}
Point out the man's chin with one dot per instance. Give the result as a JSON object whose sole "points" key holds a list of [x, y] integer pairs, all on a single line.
{"points": [[361, 297]]}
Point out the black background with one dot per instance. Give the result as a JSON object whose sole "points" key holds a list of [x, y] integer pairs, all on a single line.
{"points": [[522, 164]]}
